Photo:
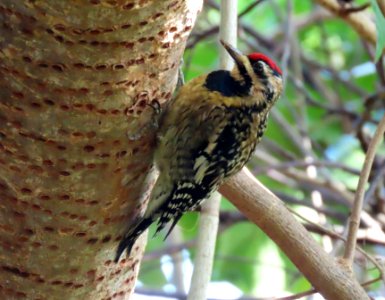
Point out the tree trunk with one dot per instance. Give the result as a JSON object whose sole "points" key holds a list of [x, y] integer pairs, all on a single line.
{"points": [[76, 80]]}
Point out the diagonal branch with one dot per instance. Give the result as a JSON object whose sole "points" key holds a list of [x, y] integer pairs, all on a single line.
{"points": [[354, 221], [264, 209], [360, 21]]}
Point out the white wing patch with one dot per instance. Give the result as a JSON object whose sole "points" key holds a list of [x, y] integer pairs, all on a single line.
{"points": [[186, 185], [201, 163], [200, 168]]}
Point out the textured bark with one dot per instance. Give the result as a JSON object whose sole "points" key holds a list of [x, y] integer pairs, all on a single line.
{"points": [[76, 78]]}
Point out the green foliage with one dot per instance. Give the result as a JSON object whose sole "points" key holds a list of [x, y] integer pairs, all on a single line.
{"points": [[380, 25], [246, 256], [204, 56]]}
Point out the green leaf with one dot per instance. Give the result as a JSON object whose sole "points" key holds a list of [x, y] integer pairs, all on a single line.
{"points": [[151, 274], [380, 24], [247, 258]]}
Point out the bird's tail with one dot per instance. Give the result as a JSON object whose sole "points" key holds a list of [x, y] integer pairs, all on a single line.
{"points": [[132, 235], [185, 196]]}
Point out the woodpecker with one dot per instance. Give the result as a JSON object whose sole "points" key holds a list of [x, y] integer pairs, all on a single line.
{"points": [[206, 134]]}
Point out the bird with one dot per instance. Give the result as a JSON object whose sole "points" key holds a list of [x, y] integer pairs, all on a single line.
{"points": [[206, 134]]}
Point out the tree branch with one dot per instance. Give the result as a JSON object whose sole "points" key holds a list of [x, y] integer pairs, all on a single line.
{"points": [[360, 20], [354, 221], [264, 209]]}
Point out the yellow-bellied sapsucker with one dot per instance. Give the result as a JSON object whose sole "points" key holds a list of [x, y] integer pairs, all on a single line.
{"points": [[207, 133]]}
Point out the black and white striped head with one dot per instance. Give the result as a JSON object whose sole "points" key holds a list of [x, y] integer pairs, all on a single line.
{"points": [[258, 74]]}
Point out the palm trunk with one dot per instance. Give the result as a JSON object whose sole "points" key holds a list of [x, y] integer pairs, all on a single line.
{"points": [[76, 78]]}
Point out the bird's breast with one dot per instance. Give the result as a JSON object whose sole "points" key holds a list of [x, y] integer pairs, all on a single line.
{"points": [[245, 130]]}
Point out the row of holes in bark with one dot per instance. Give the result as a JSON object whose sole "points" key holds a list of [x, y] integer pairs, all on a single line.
{"points": [[39, 170], [38, 279], [96, 43], [140, 105], [63, 197], [72, 91], [123, 4], [48, 164], [65, 214], [65, 107], [101, 30], [94, 148], [139, 168], [91, 274], [10, 12], [28, 233], [7, 291], [126, 6], [141, 101], [133, 110], [65, 230], [114, 44], [119, 294], [21, 295], [17, 243], [87, 148], [19, 95], [127, 44], [75, 165], [136, 109], [129, 4], [41, 86], [48, 171], [71, 108], [60, 67], [67, 284], [79, 31]]}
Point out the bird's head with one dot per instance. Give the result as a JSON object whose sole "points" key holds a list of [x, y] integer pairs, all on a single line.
{"points": [[258, 74]]}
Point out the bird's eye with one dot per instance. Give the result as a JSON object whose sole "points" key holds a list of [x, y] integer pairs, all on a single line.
{"points": [[258, 67]]}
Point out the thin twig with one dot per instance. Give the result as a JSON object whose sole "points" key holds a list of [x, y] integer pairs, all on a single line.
{"points": [[354, 9], [377, 179], [354, 221], [304, 164], [288, 33], [332, 233], [365, 236], [298, 296], [250, 8]]}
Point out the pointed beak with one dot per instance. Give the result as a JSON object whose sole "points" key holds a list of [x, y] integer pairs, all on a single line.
{"points": [[234, 52]]}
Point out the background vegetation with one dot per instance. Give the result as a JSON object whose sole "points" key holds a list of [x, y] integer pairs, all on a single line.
{"points": [[310, 157]]}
